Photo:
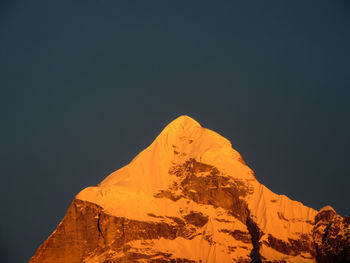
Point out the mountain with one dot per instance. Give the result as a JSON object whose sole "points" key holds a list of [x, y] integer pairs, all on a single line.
{"points": [[189, 197]]}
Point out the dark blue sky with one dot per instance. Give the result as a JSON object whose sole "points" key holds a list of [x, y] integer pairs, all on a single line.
{"points": [[86, 85]]}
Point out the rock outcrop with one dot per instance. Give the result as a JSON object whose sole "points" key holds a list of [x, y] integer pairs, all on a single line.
{"points": [[331, 235], [189, 197]]}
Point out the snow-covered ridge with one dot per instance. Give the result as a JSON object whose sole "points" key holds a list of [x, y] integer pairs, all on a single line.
{"points": [[189, 197], [134, 185], [181, 140]]}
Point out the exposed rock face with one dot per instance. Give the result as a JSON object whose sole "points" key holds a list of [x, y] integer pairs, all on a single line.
{"points": [[189, 197], [331, 234], [86, 231]]}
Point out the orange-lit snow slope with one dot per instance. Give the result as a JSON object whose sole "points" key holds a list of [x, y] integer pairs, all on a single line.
{"points": [[192, 173]]}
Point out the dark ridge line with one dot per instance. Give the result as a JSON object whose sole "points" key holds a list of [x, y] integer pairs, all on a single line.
{"points": [[98, 225], [255, 234]]}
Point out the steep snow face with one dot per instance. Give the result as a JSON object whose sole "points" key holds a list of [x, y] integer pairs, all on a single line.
{"points": [[182, 139], [189, 197], [190, 168]]}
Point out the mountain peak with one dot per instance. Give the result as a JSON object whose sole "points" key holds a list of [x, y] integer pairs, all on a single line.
{"points": [[327, 208], [185, 132], [184, 123], [181, 140], [182, 126], [189, 197]]}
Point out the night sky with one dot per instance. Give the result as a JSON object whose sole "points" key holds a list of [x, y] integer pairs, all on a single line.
{"points": [[86, 85]]}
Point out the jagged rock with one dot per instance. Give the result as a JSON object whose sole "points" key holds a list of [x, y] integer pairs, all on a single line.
{"points": [[331, 236], [189, 197]]}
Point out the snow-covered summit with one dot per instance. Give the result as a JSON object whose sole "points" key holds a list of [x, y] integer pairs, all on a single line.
{"points": [[182, 139], [182, 123], [189, 197]]}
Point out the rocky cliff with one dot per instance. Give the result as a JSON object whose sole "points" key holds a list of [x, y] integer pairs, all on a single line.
{"points": [[189, 197]]}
